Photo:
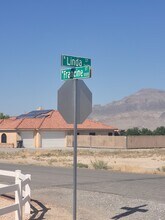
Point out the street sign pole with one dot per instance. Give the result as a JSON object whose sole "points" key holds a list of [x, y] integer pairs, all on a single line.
{"points": [[76, 107], [75, 154]]}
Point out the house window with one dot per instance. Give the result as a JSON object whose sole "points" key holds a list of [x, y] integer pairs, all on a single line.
{"points": [[3, 138], [92, 133]]}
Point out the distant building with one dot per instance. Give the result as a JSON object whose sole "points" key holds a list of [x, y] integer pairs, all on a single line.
{"points": [[45, 129]]}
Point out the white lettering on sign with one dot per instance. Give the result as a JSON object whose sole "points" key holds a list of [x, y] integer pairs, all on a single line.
{"points": [[79, 73], [73, 62], [66, 74]]}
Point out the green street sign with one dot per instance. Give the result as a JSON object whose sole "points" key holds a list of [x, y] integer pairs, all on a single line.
{"points": [[75, 61], [76, 73]]}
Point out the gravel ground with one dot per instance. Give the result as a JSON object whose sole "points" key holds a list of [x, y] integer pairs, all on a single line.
{"points": [[97, 206], [3, 203], [56, 204]]}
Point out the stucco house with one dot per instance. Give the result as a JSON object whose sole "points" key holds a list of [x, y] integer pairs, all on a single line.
{"points": [[45, 129]]}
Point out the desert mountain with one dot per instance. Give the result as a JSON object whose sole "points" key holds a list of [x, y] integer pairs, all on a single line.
{"points": [[145, 108]]}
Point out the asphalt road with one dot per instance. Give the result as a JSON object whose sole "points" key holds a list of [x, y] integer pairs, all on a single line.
{"points": [[135, 186]]}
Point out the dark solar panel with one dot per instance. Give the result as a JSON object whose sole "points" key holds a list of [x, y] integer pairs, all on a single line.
{"points": [[35, 114]]}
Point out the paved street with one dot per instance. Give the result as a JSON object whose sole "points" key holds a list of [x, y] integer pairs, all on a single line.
{"points": [[108, 194], [138, 186]]}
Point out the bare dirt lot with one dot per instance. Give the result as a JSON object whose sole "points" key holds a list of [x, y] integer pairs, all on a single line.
{"points": [[138, 161]]}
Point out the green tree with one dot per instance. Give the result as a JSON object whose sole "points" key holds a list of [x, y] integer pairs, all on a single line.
{"points": [[2, 116], [123, 133], [133, 131], [146, 131], [159, 131]]}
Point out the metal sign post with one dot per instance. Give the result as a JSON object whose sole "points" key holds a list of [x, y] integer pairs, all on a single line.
{"points": [[75, 104], [75, 154]]}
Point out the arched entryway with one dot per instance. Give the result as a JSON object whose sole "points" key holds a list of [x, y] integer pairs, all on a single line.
{"points": [[3, 138]]}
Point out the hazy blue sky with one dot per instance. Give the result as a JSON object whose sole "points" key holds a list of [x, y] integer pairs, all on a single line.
{"points": [[124, 38]]}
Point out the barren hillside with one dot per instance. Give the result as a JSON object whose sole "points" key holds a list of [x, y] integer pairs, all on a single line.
{"points": [[145, 108]]}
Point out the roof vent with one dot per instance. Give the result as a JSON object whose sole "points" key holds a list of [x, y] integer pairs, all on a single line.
{"points": [[40, 108]]}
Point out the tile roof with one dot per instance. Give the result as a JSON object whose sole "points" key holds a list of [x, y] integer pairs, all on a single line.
{"points": [[53, 121], [88, 124], [30, 123], [9, 124]]}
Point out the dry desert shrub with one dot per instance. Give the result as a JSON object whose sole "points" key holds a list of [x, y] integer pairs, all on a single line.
{"points": [[100, 164]]}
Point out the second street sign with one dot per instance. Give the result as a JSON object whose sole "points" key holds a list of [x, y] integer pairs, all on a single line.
{"points": [[75, 61], [76, 73]]}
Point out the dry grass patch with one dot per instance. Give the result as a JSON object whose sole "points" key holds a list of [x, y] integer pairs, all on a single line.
{"points": [[99, 164], [82, 165], [124, 160]]}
